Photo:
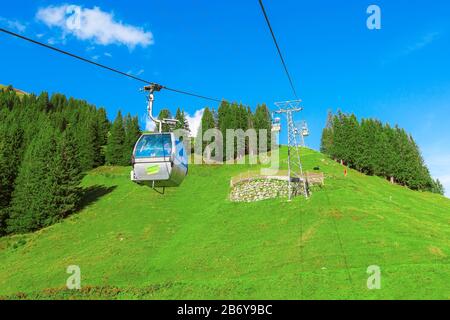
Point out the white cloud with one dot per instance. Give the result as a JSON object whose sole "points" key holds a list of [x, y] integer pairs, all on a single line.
{"points": [[195, 121], [419, 44], [93, 24], [423, 42], [107, 54], [137, 73], [13, 24]]}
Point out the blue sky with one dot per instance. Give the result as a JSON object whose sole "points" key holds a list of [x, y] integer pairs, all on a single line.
{"points": [[399, 74]]}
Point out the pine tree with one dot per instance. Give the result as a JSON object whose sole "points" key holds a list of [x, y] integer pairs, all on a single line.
{"points": [[378, 149], [11, 149], [338, 149], [164, 114], [115, 148], [225, 121], [88, 146], [250, 125], [103, 129], [43, 102], [132, 134], [207, 123], [262, 121], [242, 124], [391, 156], [104, 126], [352, 141], [67, 175], [326, 142], [32, 205], [437, 187], [181, 119], [58, 102]]}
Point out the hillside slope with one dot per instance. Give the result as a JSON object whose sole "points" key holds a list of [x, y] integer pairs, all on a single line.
{"points": [[18, 92], [193, 243]]}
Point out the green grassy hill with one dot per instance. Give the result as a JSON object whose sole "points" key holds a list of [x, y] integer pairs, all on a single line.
{"points": [[18, 92], [193, 243]]}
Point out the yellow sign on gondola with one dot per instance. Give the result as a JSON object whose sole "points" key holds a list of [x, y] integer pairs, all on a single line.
{"points": [[154, 169]]}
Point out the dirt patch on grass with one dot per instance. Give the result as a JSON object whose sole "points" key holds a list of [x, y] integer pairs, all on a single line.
{"points": [[336, 214], [436, 251], [89, 292], [309, 233]]}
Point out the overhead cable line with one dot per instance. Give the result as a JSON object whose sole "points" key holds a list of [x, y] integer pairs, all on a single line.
{"points": [[278, 48], [103, 66]]}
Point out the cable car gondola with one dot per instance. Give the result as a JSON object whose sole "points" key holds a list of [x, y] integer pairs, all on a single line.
{"points": [[159, 159]]}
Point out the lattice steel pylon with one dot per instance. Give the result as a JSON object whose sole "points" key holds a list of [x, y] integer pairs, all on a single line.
{"points": [[295, 169]]}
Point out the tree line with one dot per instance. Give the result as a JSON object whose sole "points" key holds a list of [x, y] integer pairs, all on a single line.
{"points": [[46, 145], [374, 148], [235, 116]]}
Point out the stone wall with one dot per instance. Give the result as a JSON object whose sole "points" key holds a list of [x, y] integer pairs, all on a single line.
{"points": [[253, 190]]}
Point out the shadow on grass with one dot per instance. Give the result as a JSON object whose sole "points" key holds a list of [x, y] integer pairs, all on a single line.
{"points": [[93, 194]]}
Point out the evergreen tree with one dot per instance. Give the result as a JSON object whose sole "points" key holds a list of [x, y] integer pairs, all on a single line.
{"points": [[233, 125], [250, 125], [438, 188], [338, 148], [32, 205], [391, 155], [352, 141], [327, 135], [104, 126], [250, 119], [263, 121], [103, 129], [225, 121], [242, 123], [164, 114], [207, 123], [132, 134], [378, 149], [43, 102], [58, 102], [67, 176], [88, 145], [115, 148], [11, 149], [182, 121]]}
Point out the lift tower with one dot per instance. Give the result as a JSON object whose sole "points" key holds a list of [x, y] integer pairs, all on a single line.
{"points": [[295, 169]]}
